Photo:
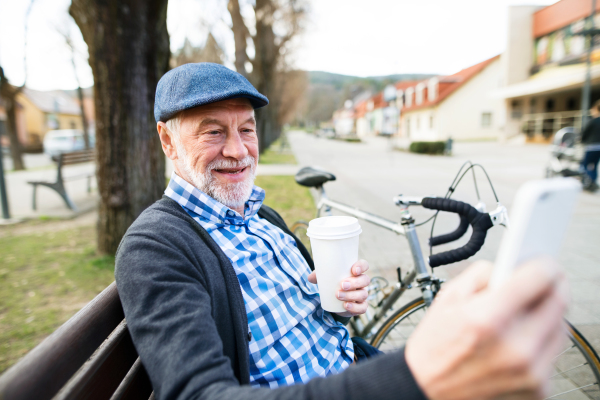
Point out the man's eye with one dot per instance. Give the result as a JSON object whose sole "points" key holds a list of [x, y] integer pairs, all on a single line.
{"points": [[214, 132]]}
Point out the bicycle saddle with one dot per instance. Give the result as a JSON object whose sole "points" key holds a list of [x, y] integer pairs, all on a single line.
{"points": [[313, 177]]}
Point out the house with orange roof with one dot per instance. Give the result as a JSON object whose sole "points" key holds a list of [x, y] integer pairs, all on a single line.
{"points": [[457, 106], [544, 68]]}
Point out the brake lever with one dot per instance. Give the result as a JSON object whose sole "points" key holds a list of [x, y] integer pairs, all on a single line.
{"points": [[402, 200], [500, 216]]}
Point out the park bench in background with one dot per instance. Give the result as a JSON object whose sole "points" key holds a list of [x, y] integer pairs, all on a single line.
{"points": [[76, 157], [91, 356]]}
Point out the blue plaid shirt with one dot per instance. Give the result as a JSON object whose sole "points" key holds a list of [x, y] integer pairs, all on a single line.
{"points": [[293, 338]]}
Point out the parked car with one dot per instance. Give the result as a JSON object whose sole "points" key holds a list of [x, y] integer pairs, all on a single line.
{"points": [[65, 141], [328, 133]]}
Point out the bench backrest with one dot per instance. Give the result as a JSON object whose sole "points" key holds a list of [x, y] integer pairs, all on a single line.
{"points": [[91, 356], [77, 157]]}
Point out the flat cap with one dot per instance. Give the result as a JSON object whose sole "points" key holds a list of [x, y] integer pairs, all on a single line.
{"points": [[197, 84]]}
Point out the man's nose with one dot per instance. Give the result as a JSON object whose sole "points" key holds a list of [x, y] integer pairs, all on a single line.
{"points": [[234, 146]]}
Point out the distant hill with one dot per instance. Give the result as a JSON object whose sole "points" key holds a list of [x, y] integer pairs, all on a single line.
{"points": [[327, 92], [340, 81]]}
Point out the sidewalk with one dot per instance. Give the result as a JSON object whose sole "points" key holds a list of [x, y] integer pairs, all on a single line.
{"points": [[49, 203]]}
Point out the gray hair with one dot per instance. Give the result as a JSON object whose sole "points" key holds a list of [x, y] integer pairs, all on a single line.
{"points": [[173, 124]]}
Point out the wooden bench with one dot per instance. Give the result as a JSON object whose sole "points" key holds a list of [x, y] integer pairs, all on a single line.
{"points": [[91, 356], [76, 157]]}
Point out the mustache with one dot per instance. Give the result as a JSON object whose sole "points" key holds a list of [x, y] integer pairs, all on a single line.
{"points": [[224, 163]]}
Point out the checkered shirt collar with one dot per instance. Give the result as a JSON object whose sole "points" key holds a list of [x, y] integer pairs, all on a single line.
{"points": [[195, 200]]}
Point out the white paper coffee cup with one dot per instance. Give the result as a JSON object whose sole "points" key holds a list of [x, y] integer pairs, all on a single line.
{"points": [[334, 243]]}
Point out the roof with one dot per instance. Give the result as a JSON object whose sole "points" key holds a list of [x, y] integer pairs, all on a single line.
{"points": [[360, 109], [378, 101], [450, 83], [402, 85], [53, 101], [559, 15]]}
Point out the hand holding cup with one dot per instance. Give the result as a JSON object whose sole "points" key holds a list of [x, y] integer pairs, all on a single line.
{"points": [[353, 290]]}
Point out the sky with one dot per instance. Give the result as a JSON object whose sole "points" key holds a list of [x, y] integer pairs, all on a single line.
{"points": [[351, 37]]}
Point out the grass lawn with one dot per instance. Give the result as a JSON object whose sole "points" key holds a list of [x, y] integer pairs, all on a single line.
{"points": [[275, 155], [49, 272]]}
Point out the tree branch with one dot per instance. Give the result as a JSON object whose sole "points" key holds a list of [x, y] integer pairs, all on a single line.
{"points": [[240, 36]]}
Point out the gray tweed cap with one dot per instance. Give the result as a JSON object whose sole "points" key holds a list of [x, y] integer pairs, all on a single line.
{"points": [[193, 85]]}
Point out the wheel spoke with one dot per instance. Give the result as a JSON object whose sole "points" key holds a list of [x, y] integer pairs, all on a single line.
{"points": [[570, 369], [572, 390], [563, 352]]}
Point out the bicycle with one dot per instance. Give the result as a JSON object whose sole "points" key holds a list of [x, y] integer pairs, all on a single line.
{"points": [[577, 368]]}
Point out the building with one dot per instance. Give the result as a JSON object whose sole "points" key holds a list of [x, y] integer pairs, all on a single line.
{"points": [[457, 106], [544, 68], [44, 111]]}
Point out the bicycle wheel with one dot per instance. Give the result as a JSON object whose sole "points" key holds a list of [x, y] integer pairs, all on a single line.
{"points": [[576, 369], [299, 229]]}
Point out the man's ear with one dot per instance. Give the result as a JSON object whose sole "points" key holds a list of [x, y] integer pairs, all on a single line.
{"points": [[167, 141]]}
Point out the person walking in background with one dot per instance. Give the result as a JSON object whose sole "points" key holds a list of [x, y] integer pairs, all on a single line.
{"points": [[590, 138]]}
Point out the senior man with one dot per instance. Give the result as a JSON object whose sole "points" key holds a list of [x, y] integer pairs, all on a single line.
{"points": [[221, 302]]}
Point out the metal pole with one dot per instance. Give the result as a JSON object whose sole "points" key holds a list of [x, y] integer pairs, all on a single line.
{"points": [[3, 197], [585, 101]]}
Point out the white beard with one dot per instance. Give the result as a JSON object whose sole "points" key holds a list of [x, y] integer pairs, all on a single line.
{"points": [[232, 195]]}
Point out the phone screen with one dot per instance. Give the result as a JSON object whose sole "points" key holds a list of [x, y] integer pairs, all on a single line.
{"points": [[540, 217]]}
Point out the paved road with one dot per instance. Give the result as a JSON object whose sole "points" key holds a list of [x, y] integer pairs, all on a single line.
{"points": [[369, 174]]}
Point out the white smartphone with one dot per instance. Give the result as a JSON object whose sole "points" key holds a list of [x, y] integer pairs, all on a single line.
{"points": [[538, 222]]}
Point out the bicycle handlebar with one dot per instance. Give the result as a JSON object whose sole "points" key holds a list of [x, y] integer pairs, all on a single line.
{"points": [[480, 222]]}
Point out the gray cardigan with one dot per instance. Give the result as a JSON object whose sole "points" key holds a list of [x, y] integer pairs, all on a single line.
{"points": [[186, 315]]}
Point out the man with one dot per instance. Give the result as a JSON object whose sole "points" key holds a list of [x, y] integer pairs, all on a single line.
{"points": [[590, 138], [221, 303]]}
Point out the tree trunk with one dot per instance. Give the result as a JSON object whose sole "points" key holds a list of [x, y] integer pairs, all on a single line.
{"points": [[240, 35], [9, 94], [264, 73], [84, 121], [128, 46]]}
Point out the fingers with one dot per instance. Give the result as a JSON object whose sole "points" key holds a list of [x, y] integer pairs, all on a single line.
{"points": [[528, 285], [353, 295], [356, 308], [360, 267], [356, 282], [312, 277], [472, 280]]}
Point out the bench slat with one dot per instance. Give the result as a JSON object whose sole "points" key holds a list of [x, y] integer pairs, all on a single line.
{"points": [[44, 370], [77, 160], [136, 384], [101, 375]]}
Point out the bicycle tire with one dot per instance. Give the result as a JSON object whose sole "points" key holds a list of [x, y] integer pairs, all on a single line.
{"points": [[299, 229], [576, 370]]}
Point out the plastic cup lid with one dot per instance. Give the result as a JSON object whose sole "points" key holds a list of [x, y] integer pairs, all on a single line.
{"points": [[337, 227]]}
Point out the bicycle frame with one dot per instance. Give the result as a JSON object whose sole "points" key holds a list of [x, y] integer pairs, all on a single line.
{"points": [[428, 283]]}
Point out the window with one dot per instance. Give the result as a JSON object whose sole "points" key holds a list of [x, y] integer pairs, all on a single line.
{"points": [[431, 122], [418, 123], [420, 89], [408, 96], [73, 125], [516, 111], [432, 86], [407, 127], [571, 104], [486, 119]]}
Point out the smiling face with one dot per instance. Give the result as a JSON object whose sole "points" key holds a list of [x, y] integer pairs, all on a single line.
{"points": [[215, 149]]}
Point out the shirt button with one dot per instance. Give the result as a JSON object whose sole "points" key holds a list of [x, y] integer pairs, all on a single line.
{"points": [[249, 336]]}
